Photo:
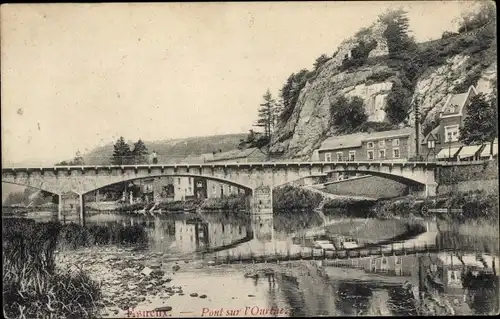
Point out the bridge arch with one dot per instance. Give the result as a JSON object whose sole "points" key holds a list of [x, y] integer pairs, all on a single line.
{"points": [[39, 187], [393, 177], [208, 177]]}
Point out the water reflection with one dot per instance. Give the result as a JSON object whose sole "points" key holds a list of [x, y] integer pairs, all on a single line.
{"points": [[356, 293]]}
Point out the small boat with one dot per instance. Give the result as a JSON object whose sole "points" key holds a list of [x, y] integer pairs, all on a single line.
{"points": [[190, 210]]}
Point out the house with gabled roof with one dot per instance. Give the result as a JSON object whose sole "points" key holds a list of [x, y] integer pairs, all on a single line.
{"points": [[447, 134]]}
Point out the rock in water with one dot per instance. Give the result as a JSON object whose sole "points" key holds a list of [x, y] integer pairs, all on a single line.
{"points": [[194, 294], [146, 271], [203, 296], [176, 267]]}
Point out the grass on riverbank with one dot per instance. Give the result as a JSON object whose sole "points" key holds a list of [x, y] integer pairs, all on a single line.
{"points": [[32, 287], [476, 205]]}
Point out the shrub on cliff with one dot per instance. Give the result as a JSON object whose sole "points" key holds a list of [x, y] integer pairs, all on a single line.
{"points": [[348, 114]]}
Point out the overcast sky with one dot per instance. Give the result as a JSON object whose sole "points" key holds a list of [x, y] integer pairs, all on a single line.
{"points": [[75, 76]]}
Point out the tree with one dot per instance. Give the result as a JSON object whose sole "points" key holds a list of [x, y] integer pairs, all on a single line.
{"points": [[139, 152], [396, 32], [480, 124], [479, 16], [265, 117], [322, 59], [348, 114], [78, 160], [121, 152]]}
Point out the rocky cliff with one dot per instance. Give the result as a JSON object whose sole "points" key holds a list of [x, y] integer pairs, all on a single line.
{"points": [[440, 67]]}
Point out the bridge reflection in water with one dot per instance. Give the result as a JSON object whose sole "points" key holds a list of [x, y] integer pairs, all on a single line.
{"points": [[366, 280]]}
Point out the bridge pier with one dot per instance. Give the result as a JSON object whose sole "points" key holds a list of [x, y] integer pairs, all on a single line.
{"points": [[81, 208], [423, 190]]}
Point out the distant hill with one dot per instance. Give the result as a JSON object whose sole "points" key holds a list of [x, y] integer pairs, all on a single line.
{"points": [[172, 151]]}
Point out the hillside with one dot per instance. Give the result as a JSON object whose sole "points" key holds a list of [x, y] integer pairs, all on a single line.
{"points": [[172, 151], [388, 81]]}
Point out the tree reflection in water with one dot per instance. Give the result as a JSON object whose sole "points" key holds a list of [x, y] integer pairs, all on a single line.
{"points": [[482, 292]]}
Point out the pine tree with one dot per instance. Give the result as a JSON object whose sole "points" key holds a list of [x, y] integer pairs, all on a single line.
{"points": [[139, 152], [480, 124], [265, 119], [121, 152]]}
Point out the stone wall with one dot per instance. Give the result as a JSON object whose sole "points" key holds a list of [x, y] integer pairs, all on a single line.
{"points": [[464, 178], [370, 186], [465, 172]]}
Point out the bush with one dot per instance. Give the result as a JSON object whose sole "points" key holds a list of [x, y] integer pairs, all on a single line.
{"points": [[291, 197], [348, 114]]}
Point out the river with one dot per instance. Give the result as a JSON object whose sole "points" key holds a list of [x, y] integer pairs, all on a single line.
{"points": [[184, 247]]}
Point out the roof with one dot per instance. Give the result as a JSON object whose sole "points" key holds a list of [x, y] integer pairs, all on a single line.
{"points": [[433, 133], [456, 102], [344, 141], [233, 154], [355, 140], [390, 134]]}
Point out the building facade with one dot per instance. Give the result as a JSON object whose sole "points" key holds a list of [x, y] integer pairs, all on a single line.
{"points": [[394, 145], [443, 142]]}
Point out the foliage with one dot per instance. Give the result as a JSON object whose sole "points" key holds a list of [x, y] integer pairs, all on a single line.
{"points": [[348, 113], [396, 32], [253, 139], [122, 154], [480, 124], [398, 103], [380, 76], [77, 160], [291, 91], [322, 59], [139, 152], [266, 114], [32, 288], [374, 127], [290, 197], [476, 205], [359, 55], [478, 17]]}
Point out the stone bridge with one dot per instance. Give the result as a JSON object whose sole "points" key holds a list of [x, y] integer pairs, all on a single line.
{"points": [[258, 179]]}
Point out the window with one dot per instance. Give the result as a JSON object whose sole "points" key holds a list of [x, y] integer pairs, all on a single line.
{"points": [[179, 181], [451, 133], [381, 154], [328, 157], [352, 155], [339, 156], [370, 145], [395, 153], [200, 184], [190, 180], [370, 155], [230, 188], [395, 142], [381, 143]]}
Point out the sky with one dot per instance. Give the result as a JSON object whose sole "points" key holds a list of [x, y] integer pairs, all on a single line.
{"points": [[77, 76]]}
